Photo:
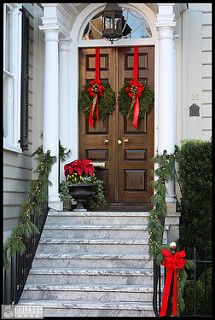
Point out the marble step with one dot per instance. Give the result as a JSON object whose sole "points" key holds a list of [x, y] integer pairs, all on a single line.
{"points": [[91, 261], [98, 218], [60, 276], [101, 293], [96, 231], [103, 246], [67, 308]]}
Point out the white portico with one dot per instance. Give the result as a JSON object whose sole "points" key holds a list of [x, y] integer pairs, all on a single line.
{"points": [[61, 25]]}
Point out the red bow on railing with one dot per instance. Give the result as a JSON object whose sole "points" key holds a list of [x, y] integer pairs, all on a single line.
{"points": [[172, 263]]}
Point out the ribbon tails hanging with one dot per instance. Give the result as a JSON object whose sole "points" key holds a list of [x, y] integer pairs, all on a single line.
{"points": [[95, 90], [135, 96], [134, 90]]}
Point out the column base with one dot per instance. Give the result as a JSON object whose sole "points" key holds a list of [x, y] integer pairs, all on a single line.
{"points": [[56, 205], [172, 221]]}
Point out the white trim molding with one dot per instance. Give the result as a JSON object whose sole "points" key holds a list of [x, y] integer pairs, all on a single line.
{"points": [[12, 78]]}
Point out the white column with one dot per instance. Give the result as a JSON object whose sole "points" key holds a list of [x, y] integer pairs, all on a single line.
{"points": [[166, 94], [51, 112], [65, 119]]}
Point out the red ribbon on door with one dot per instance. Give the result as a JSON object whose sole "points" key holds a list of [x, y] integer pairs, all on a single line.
{"points": [[172, 263], [96, 91], [136, 103], [135, 90]]}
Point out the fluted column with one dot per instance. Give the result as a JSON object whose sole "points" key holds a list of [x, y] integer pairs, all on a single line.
{"points": [[166, 93], [65, 115], [51, 112]]}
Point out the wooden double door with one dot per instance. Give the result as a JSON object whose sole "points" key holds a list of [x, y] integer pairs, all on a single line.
{"points": [[123, 153]]}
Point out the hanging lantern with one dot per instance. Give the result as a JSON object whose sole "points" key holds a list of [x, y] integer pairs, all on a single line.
{"points": [[112, 22]]}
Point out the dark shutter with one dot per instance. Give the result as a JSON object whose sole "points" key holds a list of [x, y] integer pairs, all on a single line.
{"points": [[24, 80]]}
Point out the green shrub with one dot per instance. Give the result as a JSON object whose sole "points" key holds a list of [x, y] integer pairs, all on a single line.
{"points": [[195, 178], [203, 292]]}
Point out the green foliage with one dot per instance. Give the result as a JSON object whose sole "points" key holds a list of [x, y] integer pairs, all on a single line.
{"points": [[63, 154], [164, 172], [25, 228], [97, 201], [106, 103], [203, 294], [146, 101], [195, 178]]}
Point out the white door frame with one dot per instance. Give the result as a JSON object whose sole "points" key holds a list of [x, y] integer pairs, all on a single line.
{"points": [[76, 42]]}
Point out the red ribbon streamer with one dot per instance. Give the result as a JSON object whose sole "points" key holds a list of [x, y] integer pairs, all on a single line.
{"points": [[172, 263], [95, 105], [135, 74]]}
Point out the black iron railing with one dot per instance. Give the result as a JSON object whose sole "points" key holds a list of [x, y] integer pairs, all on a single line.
{"points": [[16, 275], [197, 298]]}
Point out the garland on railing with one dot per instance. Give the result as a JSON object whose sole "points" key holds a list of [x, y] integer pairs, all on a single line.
{"points": [[164, 173], [31, 207]]}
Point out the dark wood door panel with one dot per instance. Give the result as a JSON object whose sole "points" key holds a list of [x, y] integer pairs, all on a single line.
{"points": [[135, 174], [127, 172]]}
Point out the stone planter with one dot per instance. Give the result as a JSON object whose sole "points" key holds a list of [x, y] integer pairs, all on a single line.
{"points": [[81, 192]]}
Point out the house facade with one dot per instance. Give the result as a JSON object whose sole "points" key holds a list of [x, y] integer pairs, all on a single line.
{"points": [[49, 54], [180, 35]]}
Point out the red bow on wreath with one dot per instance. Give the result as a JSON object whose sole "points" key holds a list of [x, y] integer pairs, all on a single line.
{"points": [[134, 91], [172, 263], [95, 90]]}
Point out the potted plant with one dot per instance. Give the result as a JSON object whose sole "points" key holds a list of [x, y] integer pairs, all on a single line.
{"points": [[82, 185]]}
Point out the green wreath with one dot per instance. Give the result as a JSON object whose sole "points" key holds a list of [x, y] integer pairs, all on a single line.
{"points": [[145, 100], [106, 102]]}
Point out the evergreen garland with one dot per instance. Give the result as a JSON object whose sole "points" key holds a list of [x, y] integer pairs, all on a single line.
{"points": [[146, 101], [106, 103], [25, 228], [165, 172]]}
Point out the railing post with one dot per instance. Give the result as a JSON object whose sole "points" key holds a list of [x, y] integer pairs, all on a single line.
{"points": [[195, 288]]}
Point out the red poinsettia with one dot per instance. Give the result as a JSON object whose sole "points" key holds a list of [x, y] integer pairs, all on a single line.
{"points": [[134, 88], [80, 166], [95, 87]]}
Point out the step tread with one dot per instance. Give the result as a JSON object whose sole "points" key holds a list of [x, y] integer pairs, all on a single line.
{"points": [[92, 256], [83, 287], [64, 304], [45, 240], [97, 214], [97, 227], [90, 271]]}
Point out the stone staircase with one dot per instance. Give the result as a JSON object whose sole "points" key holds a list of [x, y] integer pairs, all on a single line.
{"points": [[92, 264]]}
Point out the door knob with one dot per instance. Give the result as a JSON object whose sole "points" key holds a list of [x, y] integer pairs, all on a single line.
{"points": [[119, 141], [106, 141]]}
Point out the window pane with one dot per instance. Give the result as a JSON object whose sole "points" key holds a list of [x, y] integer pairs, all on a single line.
{"points": [[134, 26], [7, 104], [8, 39]]}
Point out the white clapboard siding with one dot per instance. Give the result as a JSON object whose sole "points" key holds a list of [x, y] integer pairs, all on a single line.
{"points": [[206, 110], [17, 168], [206, 71]]}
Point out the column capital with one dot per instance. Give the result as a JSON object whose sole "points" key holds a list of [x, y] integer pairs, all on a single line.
{"points": [[165, 16], [51, 34], [56, 17]]}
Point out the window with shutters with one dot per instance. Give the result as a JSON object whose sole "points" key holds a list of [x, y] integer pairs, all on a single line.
{"points": [[11, 75]]}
